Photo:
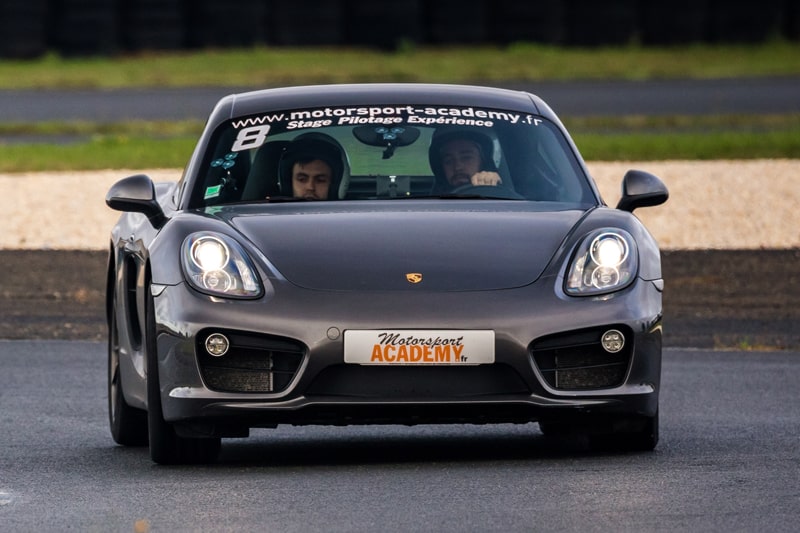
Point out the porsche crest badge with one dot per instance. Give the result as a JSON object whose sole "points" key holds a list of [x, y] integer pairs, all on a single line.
{"points": [[413, 277]]}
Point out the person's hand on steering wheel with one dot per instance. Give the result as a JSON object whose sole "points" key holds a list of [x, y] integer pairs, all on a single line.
{"points": [[485, 177]]}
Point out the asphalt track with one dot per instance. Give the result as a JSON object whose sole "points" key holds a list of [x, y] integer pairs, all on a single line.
{"points": [[727, 461], [573, 98]]}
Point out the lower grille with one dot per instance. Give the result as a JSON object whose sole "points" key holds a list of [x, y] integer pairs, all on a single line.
{"points": [[253, 363], [577, 361], [413, 382]]}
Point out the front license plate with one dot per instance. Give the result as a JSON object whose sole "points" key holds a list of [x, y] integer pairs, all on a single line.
{"points": [[418, 347]]}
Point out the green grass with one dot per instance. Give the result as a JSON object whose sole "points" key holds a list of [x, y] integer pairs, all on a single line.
{"points": [[98, 153], [80, 128], [141, 144], [687, 137], [267, 67], [90, 146], [695, 146]]}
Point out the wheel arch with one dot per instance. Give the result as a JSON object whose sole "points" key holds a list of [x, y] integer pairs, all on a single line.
{"points": [[111, 278]]}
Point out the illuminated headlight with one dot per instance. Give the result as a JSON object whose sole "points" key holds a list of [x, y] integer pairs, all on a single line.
{"points": [[216, 264], [605, 261]]}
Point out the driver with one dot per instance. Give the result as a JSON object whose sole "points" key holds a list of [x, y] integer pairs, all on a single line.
{"points": [[460, 158]]}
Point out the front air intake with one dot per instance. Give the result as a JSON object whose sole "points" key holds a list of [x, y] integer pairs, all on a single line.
{"points": [[578, 361], [253, 363]]}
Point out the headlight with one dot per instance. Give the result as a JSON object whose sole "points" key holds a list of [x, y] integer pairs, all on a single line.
{"points": [[605, 261], [216, 264]]}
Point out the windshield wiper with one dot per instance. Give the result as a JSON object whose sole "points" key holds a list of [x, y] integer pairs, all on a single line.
{"points": [[286, 199], [473, 196]]}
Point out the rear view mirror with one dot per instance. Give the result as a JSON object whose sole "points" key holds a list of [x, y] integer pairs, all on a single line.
{"points": [[641, 189], [389, 137]]}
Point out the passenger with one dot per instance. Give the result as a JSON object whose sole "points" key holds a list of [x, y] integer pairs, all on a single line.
{"points": [[463, 158], [311, 168], [311, 179]]}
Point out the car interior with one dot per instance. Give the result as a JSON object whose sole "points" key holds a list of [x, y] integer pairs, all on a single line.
{"points": [[393, 162]]}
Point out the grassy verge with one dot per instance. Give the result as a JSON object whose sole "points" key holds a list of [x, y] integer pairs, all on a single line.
{"points": [[687, 137], [92, 146], [693, 146], [265, 67], [87, 146], [97, 153]]}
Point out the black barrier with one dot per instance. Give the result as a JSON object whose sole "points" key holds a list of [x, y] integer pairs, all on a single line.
{"points": [[384, 25], [152, 25], [746, 21], [23, 28], [670, 22], [211, 23], [540, 22], [593, 23], [306, 23], [456, 21], [793, 21], [30, 28], [82, 27]]}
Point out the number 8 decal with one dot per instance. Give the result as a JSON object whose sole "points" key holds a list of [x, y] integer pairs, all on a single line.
{"points": [[252, 137]]}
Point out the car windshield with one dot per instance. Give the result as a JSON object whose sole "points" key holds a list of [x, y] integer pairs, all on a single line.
{"points": [[390, 152]]}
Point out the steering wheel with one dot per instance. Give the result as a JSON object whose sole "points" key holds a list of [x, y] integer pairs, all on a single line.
{"points": [[491, 191]]}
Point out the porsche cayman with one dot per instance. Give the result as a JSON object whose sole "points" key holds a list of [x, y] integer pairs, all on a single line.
{"points": [[381, 254]]}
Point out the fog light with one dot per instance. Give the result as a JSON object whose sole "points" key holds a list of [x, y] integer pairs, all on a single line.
{"points": [[612, 341], [217, 344]]}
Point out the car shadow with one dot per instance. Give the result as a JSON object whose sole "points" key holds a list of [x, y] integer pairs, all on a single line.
{"points": [[396, 444]]}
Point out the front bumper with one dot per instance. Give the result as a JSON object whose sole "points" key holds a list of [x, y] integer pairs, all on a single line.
{"points": [[545, 352]]}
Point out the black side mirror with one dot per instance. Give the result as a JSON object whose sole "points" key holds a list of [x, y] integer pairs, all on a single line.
{"points": [[136, 194], [641, 189]]}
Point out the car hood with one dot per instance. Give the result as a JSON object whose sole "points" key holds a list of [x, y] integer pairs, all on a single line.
{"points": [[444, 249]]}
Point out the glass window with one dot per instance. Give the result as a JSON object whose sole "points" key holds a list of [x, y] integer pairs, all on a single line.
{"points": [[390, 152]]}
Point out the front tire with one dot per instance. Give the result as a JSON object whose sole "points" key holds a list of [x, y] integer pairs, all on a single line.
{"points": [[128, 425], [624, 434], [166, 446], [639, 435]]}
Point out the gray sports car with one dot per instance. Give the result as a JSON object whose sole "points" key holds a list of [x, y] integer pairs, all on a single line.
{"points": [[381, 254]]}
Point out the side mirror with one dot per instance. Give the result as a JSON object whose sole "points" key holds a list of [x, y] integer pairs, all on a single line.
{"points": [[136, 194], [641, 189]]}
